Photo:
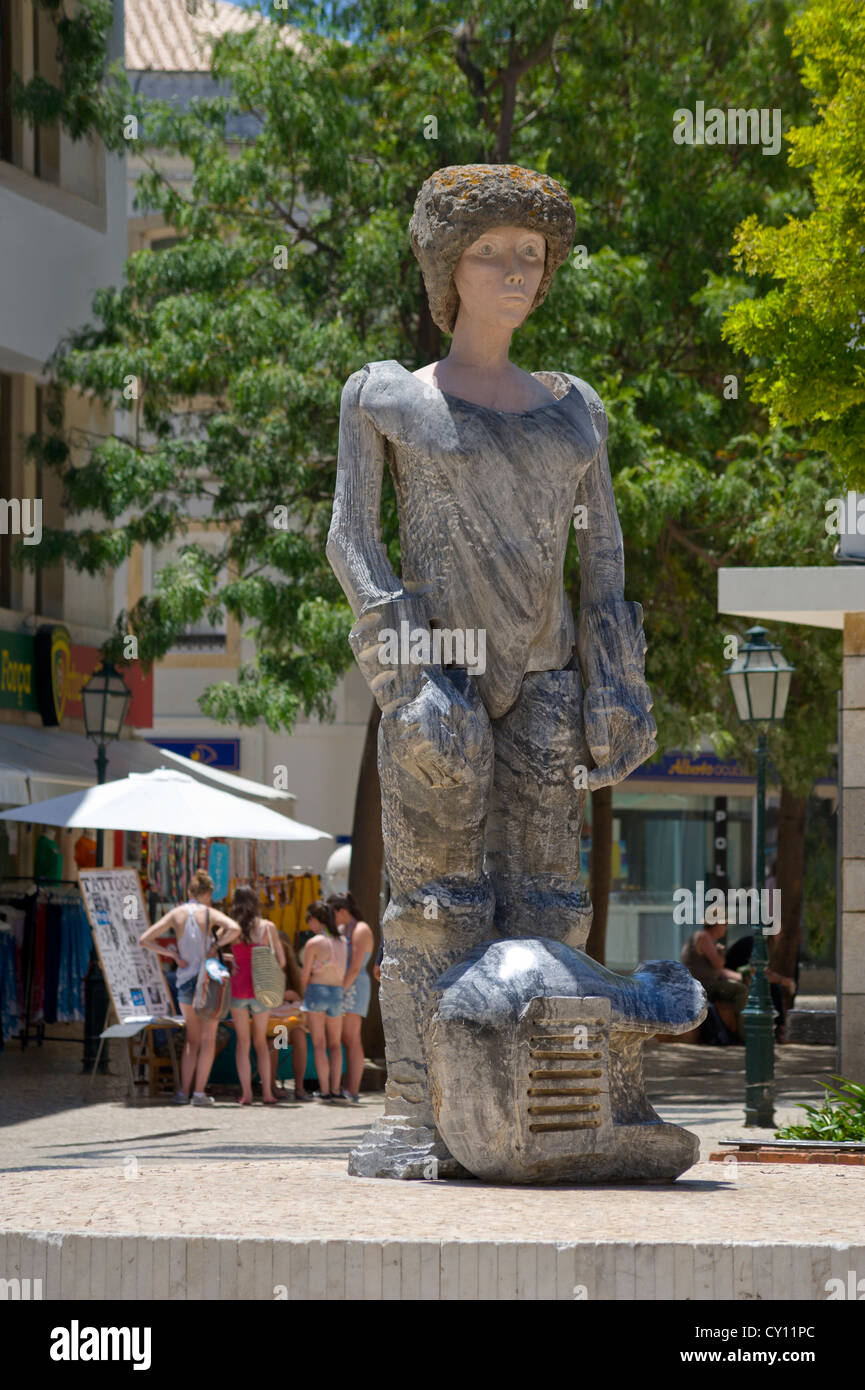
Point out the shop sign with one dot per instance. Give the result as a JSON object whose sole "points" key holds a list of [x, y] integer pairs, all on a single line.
{"points": [[212, 752], [17, 673], [693, 767], [84, 661], [45, 674], [52, 661]]}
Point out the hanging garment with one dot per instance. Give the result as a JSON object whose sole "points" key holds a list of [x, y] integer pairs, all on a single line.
{"points": [[8, 984], [85, 852], [306, 896], [37, 946], [47, 860], [290, 924], [53, 934], [76, 945]]}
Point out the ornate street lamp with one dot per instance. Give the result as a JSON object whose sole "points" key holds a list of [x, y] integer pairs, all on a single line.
{"points": [[760, 680], [105, 698]]}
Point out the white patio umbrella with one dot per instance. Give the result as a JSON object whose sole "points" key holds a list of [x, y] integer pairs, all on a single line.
{"points": [[165, 802]]}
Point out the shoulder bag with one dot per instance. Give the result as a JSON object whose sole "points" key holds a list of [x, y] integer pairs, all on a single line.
{"points": [[268, 977], [213, 988]]}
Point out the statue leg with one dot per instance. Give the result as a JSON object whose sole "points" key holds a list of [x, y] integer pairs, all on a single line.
{"points": [[440, 906], [536, 812]]}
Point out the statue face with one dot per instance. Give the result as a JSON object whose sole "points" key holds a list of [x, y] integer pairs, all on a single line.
{"points": [[498, 276]]}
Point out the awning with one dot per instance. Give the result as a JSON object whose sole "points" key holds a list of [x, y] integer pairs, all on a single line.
{"points": [[813, 595], [39, 763]]}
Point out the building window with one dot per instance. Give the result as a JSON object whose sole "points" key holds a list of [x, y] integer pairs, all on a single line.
{"points": [[28, 48], [7, 131], [6, 489], [46, 150], [203, 635]]}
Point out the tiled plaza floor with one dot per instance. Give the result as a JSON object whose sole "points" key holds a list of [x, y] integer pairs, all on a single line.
{"points": [[108, 1167]]}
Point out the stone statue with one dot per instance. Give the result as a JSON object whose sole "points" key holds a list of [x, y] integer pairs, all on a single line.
{"points": [[499, 714]]}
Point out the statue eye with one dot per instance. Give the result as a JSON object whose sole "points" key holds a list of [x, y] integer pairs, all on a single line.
{"points": [[530, 249], [487, 248]]}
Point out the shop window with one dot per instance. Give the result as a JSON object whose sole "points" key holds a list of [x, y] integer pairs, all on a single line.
{"points": [[662, 842]]}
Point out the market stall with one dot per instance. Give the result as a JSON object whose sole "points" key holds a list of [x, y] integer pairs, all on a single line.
{"points": [[173, 824]]}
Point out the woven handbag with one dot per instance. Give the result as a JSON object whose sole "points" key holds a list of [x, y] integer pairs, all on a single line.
{"points": [[268, 977], [212, 995]]}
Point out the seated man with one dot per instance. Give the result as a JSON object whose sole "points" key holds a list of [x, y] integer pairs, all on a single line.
{"points": [[739, 956], [704, 958]]}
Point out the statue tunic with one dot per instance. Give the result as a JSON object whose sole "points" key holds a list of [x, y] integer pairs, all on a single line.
{"points": [[486, 499]]}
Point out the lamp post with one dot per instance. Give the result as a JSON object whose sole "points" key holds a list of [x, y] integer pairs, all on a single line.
{"points": [[105, 698], [760, 680]]}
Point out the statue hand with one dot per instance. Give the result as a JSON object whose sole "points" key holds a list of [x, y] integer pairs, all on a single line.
{"points": [[438, 737], [620, 731], [391, 682], [364, 642]]}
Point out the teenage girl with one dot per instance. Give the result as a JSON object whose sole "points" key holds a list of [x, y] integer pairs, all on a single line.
{"points": [[254, 931], [188, 922], [324, 960], [357, 984]]}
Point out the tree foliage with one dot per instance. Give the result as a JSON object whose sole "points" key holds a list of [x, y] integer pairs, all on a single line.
{"points": [[294, 268], [806, 330]]}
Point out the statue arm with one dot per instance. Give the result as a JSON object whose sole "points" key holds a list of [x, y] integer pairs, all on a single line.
{"points": [[427, 726], [611, 644], [358, 557]]}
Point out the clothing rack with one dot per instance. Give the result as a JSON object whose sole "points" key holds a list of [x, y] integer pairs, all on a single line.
{"points": [[29, 897]]}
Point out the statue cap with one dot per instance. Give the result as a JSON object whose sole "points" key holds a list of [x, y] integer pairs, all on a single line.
{"points": [[459, 203]]}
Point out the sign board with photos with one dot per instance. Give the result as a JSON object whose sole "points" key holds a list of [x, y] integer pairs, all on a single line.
{"points": [[115, 907]]}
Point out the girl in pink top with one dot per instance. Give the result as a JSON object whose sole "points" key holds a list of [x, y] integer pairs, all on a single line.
{"points": [[254, 931]]}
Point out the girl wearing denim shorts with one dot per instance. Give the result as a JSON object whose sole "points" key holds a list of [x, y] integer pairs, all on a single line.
{"points": [[324, 961], [192, 924], [359, 939]]}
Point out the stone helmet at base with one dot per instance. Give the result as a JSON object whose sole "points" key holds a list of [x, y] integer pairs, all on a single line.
{"points": [[459, 203]]}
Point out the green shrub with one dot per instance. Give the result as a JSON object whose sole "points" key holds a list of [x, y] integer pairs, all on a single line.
{"points": [[843, 1118]]}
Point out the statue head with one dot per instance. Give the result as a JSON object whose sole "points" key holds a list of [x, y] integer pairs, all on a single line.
{"points": [[459, 204]]}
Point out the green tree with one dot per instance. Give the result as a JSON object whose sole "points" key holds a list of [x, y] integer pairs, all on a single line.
{"points": [[806, 329], [294, 267]]}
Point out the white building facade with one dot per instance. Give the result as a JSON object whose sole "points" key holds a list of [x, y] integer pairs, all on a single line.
{"points": [[167, 57], [62, 237]]}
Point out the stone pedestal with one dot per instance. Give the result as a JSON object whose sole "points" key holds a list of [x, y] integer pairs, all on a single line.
{"points": [[534, 1056]]}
